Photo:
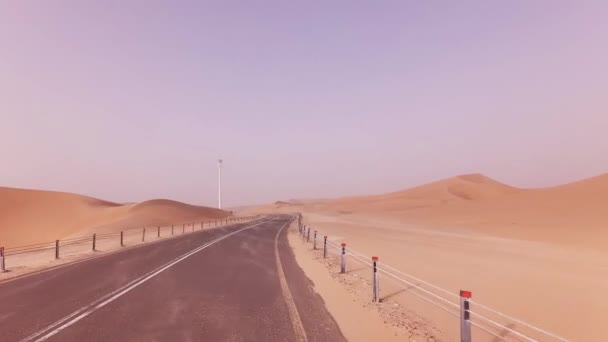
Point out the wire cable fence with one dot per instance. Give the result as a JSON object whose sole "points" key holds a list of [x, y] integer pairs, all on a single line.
{"points": [[46, 252], [500, 326]]}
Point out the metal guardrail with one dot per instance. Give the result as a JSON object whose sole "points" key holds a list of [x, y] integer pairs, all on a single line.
{"points": [[458, 305], [67, 246]]}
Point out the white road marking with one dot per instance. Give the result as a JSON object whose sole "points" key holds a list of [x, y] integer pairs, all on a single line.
{"points": [[294, 315], [81, 313]]}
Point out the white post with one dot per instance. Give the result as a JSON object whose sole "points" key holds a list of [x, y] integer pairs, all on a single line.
{"points": [[219, 189], [343, 259], [376, 281], [465, 316]]}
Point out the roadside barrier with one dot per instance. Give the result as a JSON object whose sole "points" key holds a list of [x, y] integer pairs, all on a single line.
{"points": [[375, 281], [35, 253], [2, 264], [343, 258], [493, 322]]}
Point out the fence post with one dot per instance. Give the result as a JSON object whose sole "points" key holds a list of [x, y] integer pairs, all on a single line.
{"points": [[158, 232], [2, 264], [465, 316], [308, 235], [193, 227], [376, 281], [94, 240], [143, 235], [172, 226], [343, 259], [314, 241], [325, 247], [122, 244], [183, 228], [56, 249]]}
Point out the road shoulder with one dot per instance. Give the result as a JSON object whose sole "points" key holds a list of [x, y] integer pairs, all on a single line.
{"points": [[356, 322]]}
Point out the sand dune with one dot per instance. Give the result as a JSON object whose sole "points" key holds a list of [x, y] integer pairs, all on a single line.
{"points": [[33, 216], [518, 250], [573, 213], [464, 187]]}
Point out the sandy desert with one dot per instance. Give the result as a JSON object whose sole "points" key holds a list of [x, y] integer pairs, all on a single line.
{"points": [[33, 216], [535, 254]]}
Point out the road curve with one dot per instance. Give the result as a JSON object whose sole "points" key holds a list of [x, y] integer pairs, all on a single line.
{"points": [[235, 283]]}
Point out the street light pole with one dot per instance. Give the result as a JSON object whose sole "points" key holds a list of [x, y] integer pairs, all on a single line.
{"points": [[219, 190]]}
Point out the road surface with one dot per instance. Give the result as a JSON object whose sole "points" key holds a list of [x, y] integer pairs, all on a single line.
{"points": [[236, 283]]}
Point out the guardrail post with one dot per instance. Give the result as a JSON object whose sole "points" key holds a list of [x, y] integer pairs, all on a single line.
{"points": [[94, 240], [325, 247], [158, 232], [183, 228], [2, 264], [56, 249], [143, 235], [343, 259], [172, 226], [193, 227], [122, 243], [465, 316], [376, 281], [314, 241], [308, 235]]}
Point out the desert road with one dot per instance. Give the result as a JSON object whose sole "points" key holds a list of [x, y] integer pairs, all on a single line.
{"points": [[235, 283]]}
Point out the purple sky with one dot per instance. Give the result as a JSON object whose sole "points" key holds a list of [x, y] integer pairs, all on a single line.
{"points": [[130, 100]]}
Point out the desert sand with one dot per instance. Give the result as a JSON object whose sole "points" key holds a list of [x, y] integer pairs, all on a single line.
{"points": [[535, 254], [32, 216]]}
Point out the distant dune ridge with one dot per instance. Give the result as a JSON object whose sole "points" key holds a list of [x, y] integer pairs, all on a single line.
{"points": [[33, 216], [572, 213]]}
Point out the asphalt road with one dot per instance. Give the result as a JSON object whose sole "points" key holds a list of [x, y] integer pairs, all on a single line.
{"points": [[236, 283]]}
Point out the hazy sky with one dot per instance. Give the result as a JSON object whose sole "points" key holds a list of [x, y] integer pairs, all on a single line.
{"points": [[130, 100]]}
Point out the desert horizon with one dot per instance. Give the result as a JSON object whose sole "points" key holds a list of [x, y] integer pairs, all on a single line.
{"points": [[463, 201]]}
